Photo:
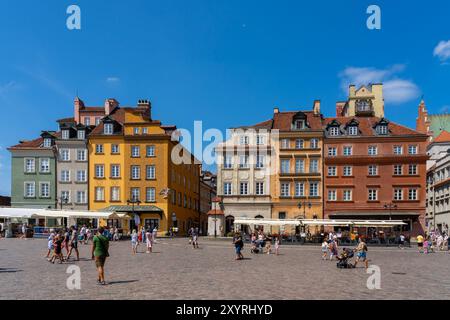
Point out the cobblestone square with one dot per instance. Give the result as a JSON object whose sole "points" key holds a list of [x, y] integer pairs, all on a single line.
{"points": [[176, 271]]}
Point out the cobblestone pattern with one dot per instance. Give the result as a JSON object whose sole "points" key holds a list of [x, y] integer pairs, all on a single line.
{"points": [[176, 271]]}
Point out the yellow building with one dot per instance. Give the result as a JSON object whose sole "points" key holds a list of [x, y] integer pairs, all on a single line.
{"points": [[132, 173]]}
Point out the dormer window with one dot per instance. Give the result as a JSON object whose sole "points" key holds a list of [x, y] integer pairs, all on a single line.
{"points": [[65, 134], [108, 128], [334, 131], [299, 124], [381, 127], [47, 143], [81, 134], [299, 121], [352, 131]]}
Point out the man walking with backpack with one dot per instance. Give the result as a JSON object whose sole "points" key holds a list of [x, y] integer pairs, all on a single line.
{"points": [[100, 247]]}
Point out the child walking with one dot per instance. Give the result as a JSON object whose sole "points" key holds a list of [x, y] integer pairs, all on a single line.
{"points": [[57, 252], [324, 249], [134, 241], [149, 240]]}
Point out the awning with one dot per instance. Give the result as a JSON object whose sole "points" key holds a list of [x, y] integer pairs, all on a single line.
{"points": [[373, 213], [390, 223], [331, 223], [266, 222], [24, 213]]}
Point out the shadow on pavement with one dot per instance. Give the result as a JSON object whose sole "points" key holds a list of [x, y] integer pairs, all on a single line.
{"points": [[9, 270], [122, 282]]}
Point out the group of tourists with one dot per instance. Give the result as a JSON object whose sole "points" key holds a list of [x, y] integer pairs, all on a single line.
{"points": [[147, 236], [261, 243], [330, 250], [434, 241]]}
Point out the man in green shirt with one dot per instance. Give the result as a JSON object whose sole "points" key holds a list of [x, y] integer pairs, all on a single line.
{"points": [[100, 246]]}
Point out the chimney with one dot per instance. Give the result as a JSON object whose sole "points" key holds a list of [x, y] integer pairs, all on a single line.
{"points": [[146, 106], [78, 105], [352, 90], [316, 107], [276, 110], [110, 105], [340, 109]]}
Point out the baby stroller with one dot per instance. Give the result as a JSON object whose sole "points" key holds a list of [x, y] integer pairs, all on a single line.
{"points": [[344, 258]]}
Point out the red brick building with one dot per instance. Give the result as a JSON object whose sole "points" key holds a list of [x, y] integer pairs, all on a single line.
{"points": [[370, 162]]}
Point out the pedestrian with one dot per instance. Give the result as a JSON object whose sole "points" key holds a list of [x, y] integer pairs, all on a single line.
{"points": [[57, 249], [401, 243], [149, 241], [238, 246], [277, 245], [194, 238], [420, 243], [361, 253], [89, 235], [66, 241], [154, 233], [134, 241], [24, 231], [100, 251], [73, 243], [50, 239], [324, 249], [268, 246], [333, 248], [142, 234]]}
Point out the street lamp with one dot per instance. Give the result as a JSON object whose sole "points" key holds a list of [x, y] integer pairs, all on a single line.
{"points": [[133, 201], [390, 206], [304, 204]]}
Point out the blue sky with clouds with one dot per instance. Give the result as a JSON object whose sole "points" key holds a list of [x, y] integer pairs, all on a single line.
{"points": [[226, 63]]}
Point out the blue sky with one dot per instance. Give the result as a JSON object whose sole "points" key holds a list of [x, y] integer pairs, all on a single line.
{"points": [[227, 63]]}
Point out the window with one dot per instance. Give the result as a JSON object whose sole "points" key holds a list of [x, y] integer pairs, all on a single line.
{"points": [[299, 144], [135, 131], [99, 194], [300, 124], [44, 166], [135, 194], [260, 188], [398, 170], [150, 151], [332, 195], [282, 215], [352, 131], [243, 162], [115, 171], [144, 130], [285, 144], [81, 176], [115, 194], [81, 197], [47, 143], [373, 170], [348, 151], [30, 166], [227, 189], [243, 188], [334, 131], [260, 160], [285, 190], [185, 201], [108, 128], [332, 172], [81, 134], [228, 162], [285, 166], [150, 194], [373, 151], [314, 166], [299, 166], [99, 171], [313, 189], [98, 148], [299, 189], [64, 154], [412, 195], [65, 134], [347, 195], [135, 152], [150, 172], [348, 171], [44, 190], [87, 121], [398, 150], [30, 191], [65, 196], [65, 176], [382, 129], [373, 194], [412, 169], [314, 143], [81, 155], [398, 194], [243, 140], [332, 151], [135, 172], [97, 120], [260, 140], [412, 149]]}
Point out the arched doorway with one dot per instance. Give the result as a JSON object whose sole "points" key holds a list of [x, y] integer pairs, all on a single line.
{"points": [[229, 224], [259, 227]]}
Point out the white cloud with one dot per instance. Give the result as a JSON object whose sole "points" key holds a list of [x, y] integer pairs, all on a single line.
{"points": [[442, 50], [112, 79], [396, 90]]}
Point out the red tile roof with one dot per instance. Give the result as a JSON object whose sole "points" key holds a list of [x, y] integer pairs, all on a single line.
{"points": [[443, 137], [30, 144], [283, 120]]}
